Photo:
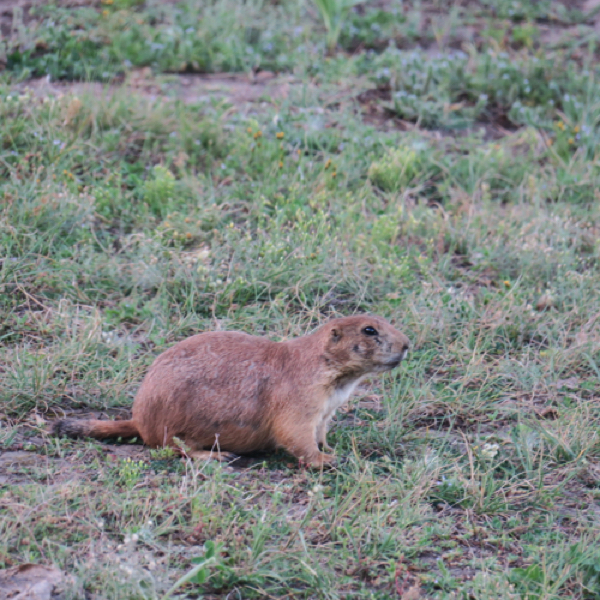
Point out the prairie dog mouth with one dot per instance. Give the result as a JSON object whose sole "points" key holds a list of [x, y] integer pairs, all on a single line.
{"points": [[398, 358], [394, 362]]}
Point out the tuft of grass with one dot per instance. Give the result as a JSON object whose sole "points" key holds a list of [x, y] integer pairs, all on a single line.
{"points": [[334, 13]]}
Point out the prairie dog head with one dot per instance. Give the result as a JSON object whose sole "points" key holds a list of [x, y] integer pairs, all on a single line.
{"points": [[364, 344]]}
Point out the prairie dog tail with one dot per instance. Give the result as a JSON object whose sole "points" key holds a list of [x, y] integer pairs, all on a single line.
{"points": [[94, 429]]}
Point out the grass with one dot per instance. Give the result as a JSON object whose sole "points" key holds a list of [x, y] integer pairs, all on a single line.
{"points": [[440, 169]]}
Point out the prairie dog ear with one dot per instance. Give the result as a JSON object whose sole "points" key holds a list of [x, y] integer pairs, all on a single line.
{"points": [[336, 335]]}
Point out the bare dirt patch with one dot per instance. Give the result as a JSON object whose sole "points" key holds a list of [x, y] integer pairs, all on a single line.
{"points": [[30, 582], [239, 89]]}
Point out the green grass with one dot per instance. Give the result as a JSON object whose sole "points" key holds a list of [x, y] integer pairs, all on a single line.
{"points": [[452, 191]]}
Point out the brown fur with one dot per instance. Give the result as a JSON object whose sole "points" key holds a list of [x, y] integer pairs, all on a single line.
{"points": [[245, 394]]}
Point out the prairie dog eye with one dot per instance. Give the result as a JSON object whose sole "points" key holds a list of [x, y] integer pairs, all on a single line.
{"points": [[370, 331]]}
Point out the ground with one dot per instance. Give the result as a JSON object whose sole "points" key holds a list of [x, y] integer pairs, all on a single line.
{"points": [[168, 168]]}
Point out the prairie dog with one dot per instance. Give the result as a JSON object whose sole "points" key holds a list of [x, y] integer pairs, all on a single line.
{"points": [[247, 394]]}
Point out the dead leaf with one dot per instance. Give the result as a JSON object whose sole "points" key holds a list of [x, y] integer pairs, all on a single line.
{"points": [[262, 76], [181, 160], [412, 593], [29, 582], [72, 111], [139, 77], [407, 584], [545, 302], [549, 412]]}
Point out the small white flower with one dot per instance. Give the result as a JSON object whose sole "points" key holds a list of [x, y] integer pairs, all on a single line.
{"points": [[490, 450]]}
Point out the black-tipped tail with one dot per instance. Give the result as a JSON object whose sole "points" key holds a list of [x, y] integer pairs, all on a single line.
{"points": [[99, 430]]}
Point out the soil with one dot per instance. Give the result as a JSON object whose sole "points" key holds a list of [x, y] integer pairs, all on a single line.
{"points": [[238, 89]]}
